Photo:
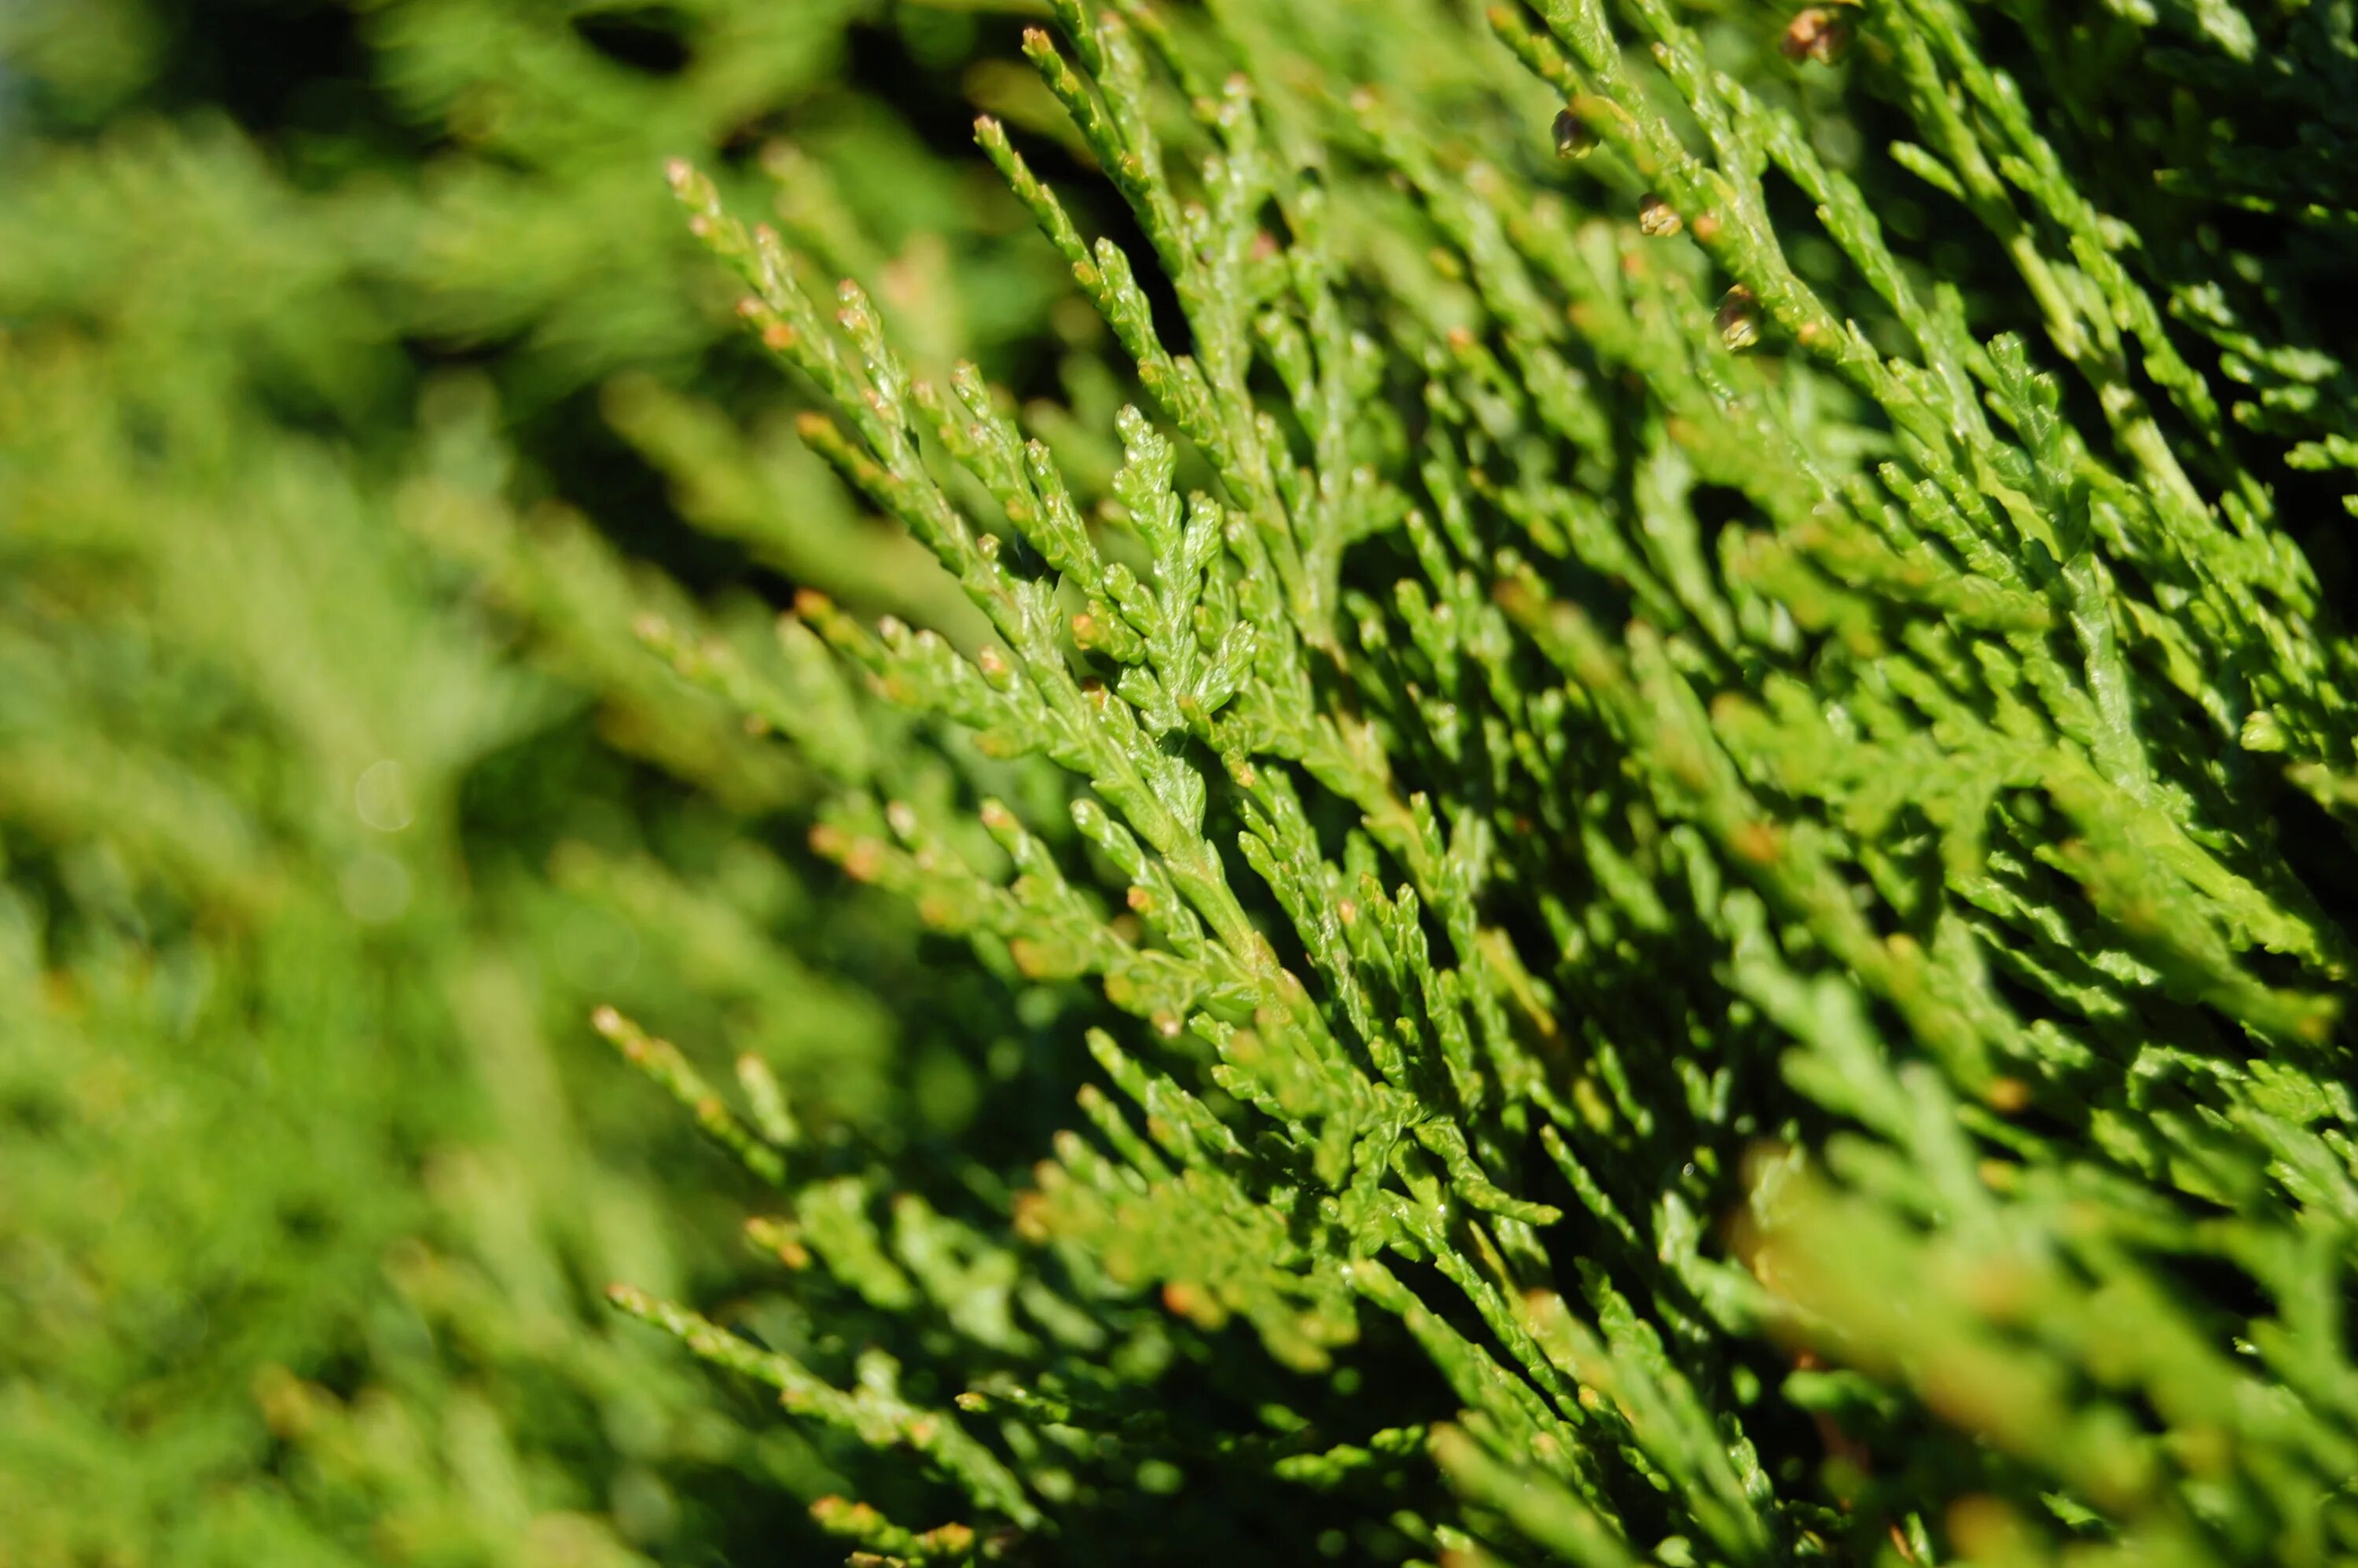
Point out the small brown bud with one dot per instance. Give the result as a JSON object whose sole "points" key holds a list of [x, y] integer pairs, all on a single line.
{"points": [[863, 860], [1757, 842], [1656, 219], [2006, 1096], [1573, 138], [1815, 33], [1738, 318]]}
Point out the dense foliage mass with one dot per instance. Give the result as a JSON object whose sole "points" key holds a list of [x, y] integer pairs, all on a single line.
{"points": [[1604, 825]]}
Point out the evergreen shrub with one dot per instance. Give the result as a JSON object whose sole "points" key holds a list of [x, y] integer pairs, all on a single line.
{"points": [[1586, 801]]}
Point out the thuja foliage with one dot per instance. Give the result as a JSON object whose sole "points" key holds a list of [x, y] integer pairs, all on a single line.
{"points": [[1692, 765]]}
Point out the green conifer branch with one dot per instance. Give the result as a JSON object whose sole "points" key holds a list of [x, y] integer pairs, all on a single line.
{"points": [[1961, 712]]}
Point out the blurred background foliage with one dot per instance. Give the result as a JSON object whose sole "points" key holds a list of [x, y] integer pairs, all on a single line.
{"points": [[358, 383]]}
